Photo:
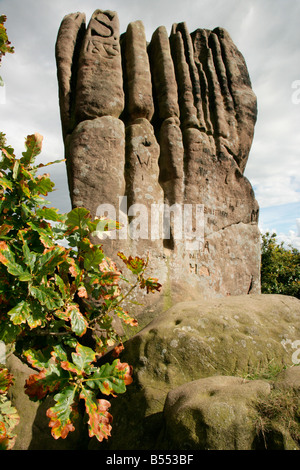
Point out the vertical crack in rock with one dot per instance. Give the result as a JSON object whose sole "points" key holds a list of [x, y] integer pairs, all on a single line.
{"points": [[159, 128]]}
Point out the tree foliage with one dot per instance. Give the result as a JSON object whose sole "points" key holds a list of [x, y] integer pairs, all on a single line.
{"points": [[57, 303], [9, 417], [280, 267], [4, 42]]}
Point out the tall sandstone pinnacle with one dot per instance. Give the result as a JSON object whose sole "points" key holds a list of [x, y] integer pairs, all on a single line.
{"points": [[169, 124]]}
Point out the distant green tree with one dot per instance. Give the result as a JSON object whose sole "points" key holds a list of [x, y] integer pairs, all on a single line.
{"points": [[280, 267]]}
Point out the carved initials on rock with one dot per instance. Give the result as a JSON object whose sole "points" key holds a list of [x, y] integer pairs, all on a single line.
{"points": [[199, 269], [107, 50], [145, 161], [102, 37], [97, 27]]}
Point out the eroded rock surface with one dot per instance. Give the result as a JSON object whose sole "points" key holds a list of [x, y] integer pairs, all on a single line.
{"points": [[168, 124]]}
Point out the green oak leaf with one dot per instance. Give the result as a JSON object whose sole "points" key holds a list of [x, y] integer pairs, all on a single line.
{"points": [[46, 296], [109, 379], [78, 323], [20, 313]]}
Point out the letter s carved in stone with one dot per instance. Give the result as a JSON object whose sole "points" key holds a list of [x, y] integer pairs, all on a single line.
{"points": [[102, 39]]}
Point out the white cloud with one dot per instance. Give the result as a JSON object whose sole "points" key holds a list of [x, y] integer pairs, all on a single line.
{"points": [[280, 220], [289, 239], [266, 32], [276, 190]]}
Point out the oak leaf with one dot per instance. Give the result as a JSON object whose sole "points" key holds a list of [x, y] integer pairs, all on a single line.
{"points": [[99, 418], [63, 413]]}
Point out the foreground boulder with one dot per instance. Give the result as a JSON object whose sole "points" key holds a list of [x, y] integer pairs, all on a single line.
{"points": [[231, 413], [205, 377], [213, 413], [241, 337]]}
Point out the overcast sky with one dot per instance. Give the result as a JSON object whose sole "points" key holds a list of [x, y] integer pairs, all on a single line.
{"points": [[266, 32]]}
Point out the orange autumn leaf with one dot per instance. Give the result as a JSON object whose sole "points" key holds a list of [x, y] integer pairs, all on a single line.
{"points": [[127, 370], [117, 350], [57, 429], [82, 292], [99, 418]]}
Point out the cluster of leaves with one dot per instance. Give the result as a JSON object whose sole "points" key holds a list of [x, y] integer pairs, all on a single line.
{"points": [[57, 302], [9, 417], [4, 42], [280, 267]]}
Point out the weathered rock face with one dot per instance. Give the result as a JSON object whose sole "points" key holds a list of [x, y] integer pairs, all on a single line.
{"points": [[160, 126]]}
